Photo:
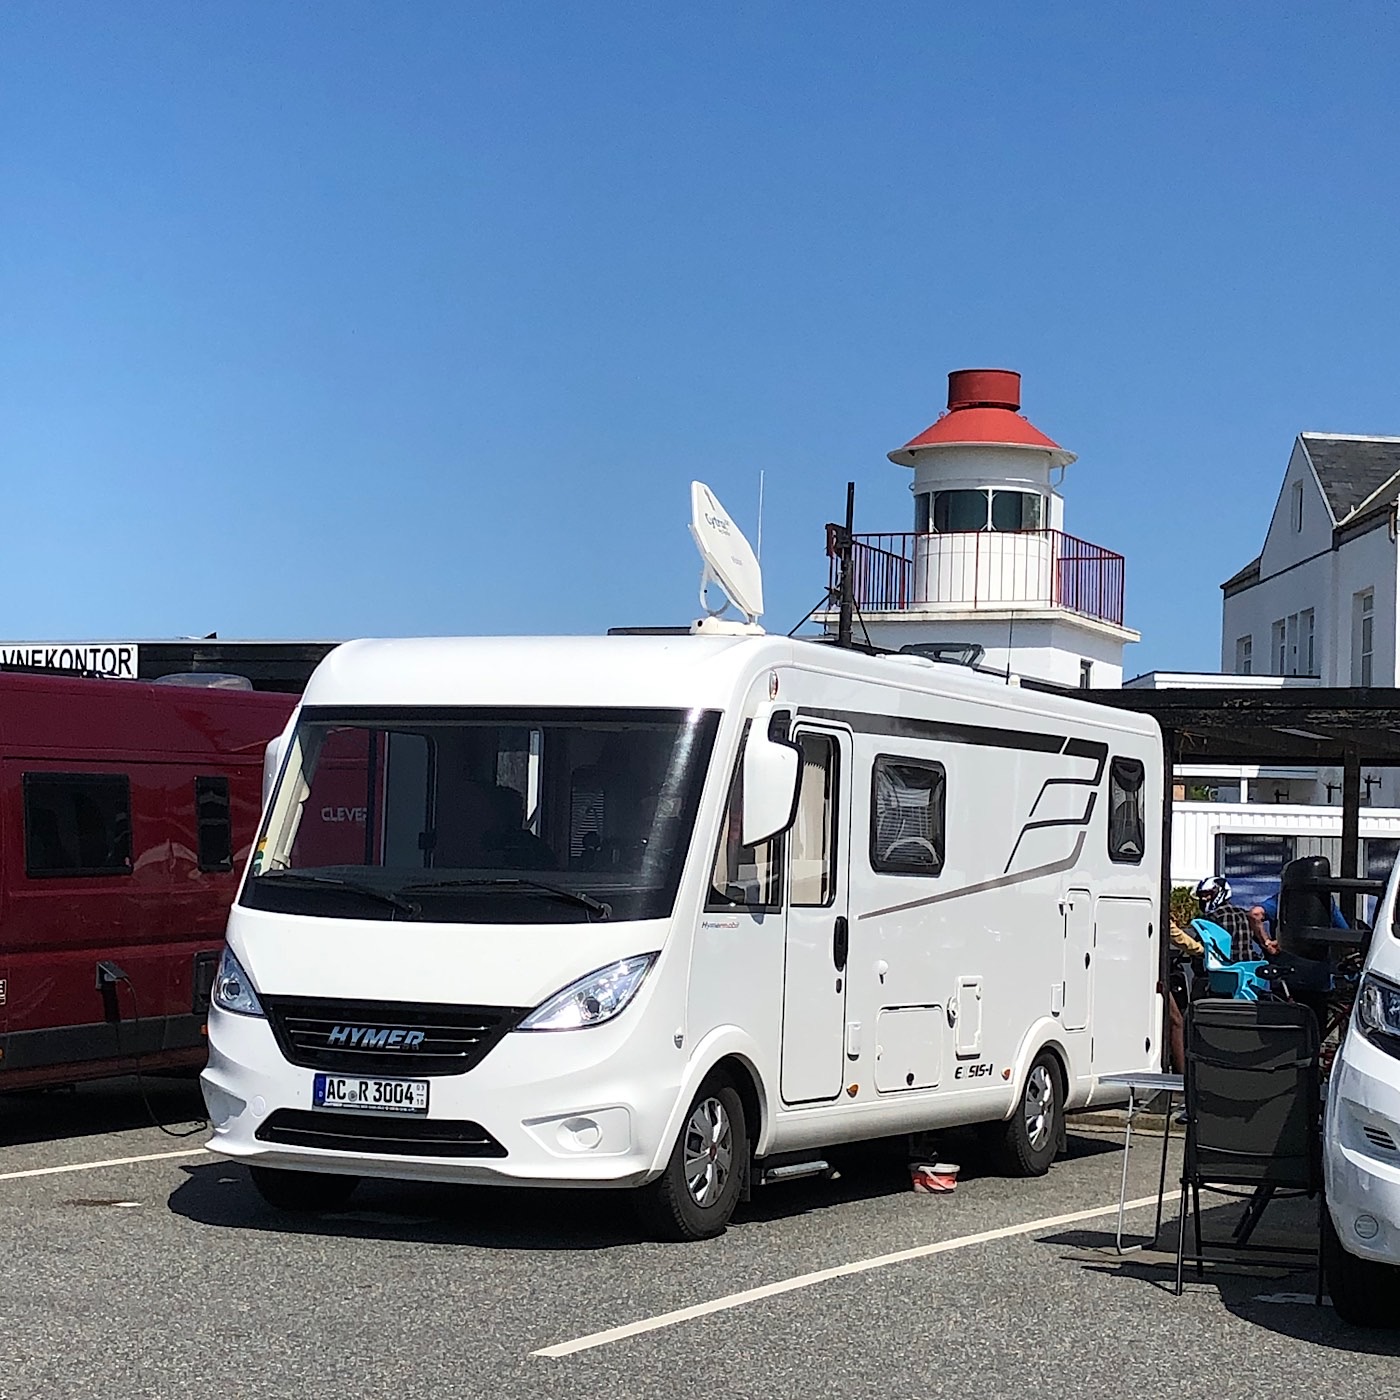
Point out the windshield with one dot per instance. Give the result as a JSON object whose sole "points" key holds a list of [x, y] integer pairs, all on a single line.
{"points": [[477, 816]]}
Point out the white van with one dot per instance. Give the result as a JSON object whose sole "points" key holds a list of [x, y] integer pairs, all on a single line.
{"points": [[679, 912], [1361, 1140]]}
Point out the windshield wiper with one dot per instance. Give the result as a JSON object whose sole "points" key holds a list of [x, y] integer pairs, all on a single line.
{"points": [[308, 877], [596, 906]]}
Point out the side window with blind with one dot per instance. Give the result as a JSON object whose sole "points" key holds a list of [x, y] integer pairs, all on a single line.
{"points": [[1127, 815], [744, 877], [77, 824], [813, 865], [908, 816], [215, 826]]}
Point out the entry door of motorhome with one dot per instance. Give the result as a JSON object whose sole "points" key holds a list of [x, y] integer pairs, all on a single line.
{"points": [[818, 929]]}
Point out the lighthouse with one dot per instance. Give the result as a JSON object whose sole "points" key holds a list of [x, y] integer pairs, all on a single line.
{"points": [[989, 563]]}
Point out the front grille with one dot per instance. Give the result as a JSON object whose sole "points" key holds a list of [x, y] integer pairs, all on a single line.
{"points": [[1379, 1138], [366, 1132], [319, 1033]]}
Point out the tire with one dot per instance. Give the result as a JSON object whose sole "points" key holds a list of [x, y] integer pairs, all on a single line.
{"points": [[1364, 1293], [303, 1192], [696, 1194], [1033, 1134]]}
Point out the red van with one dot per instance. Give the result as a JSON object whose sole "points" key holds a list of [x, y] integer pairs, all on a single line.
{"points": [[126, 813]]}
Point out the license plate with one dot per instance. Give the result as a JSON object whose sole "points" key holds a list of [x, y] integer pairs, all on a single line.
{"points": [[373, 1095]]}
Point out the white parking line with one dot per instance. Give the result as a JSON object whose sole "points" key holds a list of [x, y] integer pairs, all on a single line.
{"points": [[109, 1162], [859, 1266]]}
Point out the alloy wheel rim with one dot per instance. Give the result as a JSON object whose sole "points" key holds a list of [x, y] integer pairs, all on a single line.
{"points": [[709, 1152], [1039, 1107]]}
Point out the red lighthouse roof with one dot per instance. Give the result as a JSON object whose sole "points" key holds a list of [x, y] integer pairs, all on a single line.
{"points": [[983, 411]]}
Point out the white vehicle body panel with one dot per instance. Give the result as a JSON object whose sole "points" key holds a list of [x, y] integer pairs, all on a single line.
{"points": [[951, 985], [1361, 1131]]}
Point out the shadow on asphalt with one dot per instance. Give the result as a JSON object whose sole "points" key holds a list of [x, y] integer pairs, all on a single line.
{"points": [[101, 1106], [1249, 1294], [222, 1195]]}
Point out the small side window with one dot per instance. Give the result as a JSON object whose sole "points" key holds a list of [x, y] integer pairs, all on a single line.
{"points": [[907, 816], [813, 883], [744, 877], [77, 824], [1127, 819], [215, 826]]}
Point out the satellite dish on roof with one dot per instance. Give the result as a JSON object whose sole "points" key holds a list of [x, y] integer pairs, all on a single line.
{"points": [[729, 559]]}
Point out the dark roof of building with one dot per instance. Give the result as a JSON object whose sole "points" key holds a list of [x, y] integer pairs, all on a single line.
{"points": [[1247, 575], [1351, 469]]}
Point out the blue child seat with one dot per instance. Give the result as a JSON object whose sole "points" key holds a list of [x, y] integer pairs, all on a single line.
{"points": [[1240, 981]]}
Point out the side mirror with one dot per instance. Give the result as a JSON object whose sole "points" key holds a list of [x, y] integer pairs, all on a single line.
{"points": [[273, 755], [772, 773]]}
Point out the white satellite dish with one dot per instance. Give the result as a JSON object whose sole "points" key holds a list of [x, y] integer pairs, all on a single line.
{"points": [[729, 559]]}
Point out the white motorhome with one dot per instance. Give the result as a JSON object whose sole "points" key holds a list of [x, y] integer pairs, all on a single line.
{"points": [[677, 913]]}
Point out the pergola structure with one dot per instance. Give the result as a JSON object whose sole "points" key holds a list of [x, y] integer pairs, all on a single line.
{"points": [[1345, 728]]}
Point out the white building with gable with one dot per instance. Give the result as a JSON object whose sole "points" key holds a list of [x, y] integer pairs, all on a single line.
{"points": [[1316, 607], [1319, 602]]}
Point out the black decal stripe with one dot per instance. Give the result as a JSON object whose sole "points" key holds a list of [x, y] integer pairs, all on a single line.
{"points": [[999, 883], [945, 732], [1077, 748], [1086, 748], [1053, 821]]}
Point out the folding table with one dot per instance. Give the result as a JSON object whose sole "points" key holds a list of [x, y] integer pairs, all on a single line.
{"points": [[1143, 1086]]}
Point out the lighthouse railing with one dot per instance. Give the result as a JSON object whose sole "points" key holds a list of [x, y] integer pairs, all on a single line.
{"points": [[986, 569]]}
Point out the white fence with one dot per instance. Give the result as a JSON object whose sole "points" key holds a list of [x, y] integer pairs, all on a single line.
{"points": [[1252, 839]]}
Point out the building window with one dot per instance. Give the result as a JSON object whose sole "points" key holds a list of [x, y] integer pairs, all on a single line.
{"points": [[908, 810], [215, 826], [1297, 510], [77, 824], [1086, 674], [1363, 635], [1244, 655], [744, 877], [967, 511], [813, 870], [1016, 510], [1294, 646], [1127, 811], [958, 511]]}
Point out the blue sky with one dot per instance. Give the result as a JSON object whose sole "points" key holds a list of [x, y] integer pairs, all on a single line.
{"points": [[321, 320]]}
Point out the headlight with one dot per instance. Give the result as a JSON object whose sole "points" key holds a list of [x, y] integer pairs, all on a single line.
{"points": [[1378, 1012], [233, 988], [593, 999]]}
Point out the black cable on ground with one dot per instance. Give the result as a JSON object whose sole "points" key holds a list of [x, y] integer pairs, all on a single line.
{"points": [[199, 1127]]}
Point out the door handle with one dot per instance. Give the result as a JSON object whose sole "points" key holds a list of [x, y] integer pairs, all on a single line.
{"points": [[840, 942]]}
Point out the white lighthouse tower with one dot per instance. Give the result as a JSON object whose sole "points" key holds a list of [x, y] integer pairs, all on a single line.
{"points": [[988, 561]]}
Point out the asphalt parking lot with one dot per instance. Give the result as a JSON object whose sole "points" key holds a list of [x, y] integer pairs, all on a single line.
{"points": [[159, 1272]]}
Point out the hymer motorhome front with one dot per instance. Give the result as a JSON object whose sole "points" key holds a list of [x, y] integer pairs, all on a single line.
{"points": [[676, 912]]}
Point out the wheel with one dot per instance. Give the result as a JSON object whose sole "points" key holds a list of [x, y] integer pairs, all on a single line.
{"points": [[1364, 1293], [1032, 1135], [303, 1192], [696, 1194]]}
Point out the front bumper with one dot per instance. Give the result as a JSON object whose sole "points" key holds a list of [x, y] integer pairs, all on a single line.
{"points": [[572, 1108], [1362, 1150]]}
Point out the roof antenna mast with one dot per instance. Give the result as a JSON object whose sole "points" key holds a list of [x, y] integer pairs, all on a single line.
{"points": [[846, 587]]}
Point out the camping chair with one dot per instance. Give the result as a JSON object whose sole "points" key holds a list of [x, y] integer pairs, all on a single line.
{"points": [[1241, 981], [1253, 1118]]}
